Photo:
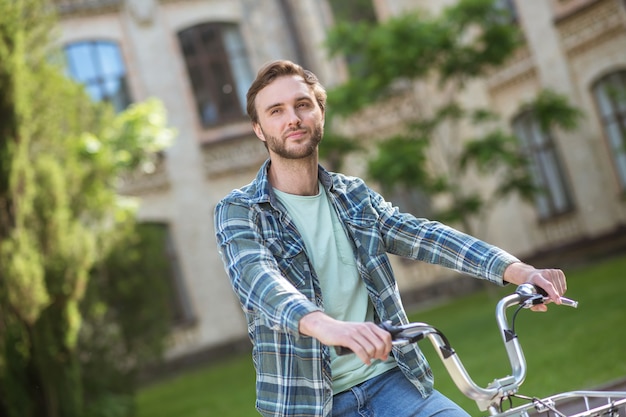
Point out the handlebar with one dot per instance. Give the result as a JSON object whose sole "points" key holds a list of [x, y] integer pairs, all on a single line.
{"points": [[525, 296]]}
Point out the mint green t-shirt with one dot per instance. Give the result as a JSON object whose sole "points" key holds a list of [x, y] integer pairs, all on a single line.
{"points": [[344, 293]]}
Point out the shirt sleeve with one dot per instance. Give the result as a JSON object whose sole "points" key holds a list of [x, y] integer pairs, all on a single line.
{"points": [[253, 271], [435, 243]]}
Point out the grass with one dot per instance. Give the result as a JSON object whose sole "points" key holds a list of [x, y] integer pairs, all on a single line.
{"points": [[565, 349], [225, 390]]}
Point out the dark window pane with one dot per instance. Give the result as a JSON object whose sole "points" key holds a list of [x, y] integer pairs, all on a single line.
{"points": [[353, 10], [238, 60], [186, 43], [208, 112], [218, 69], [195, 75], [610, 95], [544, 165], [211, 41]]}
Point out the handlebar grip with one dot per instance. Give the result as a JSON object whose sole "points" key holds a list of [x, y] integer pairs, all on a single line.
{"points": [[385, 325]]}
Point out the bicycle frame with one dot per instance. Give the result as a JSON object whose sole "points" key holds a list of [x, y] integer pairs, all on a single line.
{"points": [[490, 398]]}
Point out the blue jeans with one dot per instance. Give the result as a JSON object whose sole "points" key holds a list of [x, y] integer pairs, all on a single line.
{"points": [[392, 395]]}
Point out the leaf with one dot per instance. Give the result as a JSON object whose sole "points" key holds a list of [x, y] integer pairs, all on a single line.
{"points": [[554, 110]]}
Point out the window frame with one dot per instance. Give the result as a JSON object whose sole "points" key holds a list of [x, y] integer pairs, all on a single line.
{"points": [[104, 72], [554, 197], [613, 123], [228, 59]]}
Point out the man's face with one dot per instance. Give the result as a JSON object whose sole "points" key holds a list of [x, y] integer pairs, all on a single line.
{"points": [[291, 122]]}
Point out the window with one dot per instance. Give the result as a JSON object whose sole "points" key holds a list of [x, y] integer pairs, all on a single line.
{"points": [[219, 71], [99, 66], [180, 304], [159, 261], [610, 96], [354, 12], [545, 167], [414, 201], [508, 8]]}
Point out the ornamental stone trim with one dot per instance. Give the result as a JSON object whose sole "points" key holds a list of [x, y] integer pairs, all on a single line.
{"points": [[519, 68], [232, 155], [561, 230], [144, 181], [581, 31], [86, 7]]}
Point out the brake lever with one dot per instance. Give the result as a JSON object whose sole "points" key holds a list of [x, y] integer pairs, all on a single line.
{"points": [[533, 295]]}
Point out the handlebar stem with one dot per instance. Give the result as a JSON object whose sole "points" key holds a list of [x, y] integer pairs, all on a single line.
{"points": [[487, 398]]}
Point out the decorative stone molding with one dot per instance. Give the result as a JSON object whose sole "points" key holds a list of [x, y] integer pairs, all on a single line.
{"points": [[384, 118], [140, 9], [181, 340], [86, 7], [141, 182], [520, 67], [592, 25], [232, 155], [561, 230], [564, 8]]}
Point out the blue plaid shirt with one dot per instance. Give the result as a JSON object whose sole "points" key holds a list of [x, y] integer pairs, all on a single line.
{"points": [[271, 274]]}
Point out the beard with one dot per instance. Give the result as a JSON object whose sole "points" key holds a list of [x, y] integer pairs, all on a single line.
{"points": [[288, 150]]}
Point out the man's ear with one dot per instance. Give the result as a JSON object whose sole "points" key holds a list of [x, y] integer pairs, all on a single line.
{"points": [[258, 131]]}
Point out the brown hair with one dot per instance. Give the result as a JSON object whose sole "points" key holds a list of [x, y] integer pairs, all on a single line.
{"points": [[269, 72]]}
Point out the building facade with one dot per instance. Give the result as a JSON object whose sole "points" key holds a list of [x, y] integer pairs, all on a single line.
{"points": [[199, 57]]}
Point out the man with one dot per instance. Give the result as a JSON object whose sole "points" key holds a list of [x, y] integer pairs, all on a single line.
{"points": [[306, 252]]}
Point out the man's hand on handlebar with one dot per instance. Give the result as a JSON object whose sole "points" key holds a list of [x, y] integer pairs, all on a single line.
{"points": [[552, 281], [367, 340]]}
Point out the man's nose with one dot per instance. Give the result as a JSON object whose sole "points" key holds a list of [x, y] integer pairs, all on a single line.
{"points": [[294, 118]]}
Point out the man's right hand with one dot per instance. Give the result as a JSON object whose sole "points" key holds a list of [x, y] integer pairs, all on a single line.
{"points": [[367, 340]]}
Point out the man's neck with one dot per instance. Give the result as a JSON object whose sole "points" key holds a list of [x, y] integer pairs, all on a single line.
{"points": [[294, 176]]}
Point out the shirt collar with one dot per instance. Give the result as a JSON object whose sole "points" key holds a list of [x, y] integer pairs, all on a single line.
{"points": [[264, 192]]}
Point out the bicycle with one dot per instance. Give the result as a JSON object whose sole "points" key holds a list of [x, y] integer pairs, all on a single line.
{"points": [[495, 395]]}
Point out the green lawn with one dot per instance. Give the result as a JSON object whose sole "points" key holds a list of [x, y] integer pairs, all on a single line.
{"points": [[565, 349]]}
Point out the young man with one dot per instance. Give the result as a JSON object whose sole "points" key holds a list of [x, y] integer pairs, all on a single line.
{"points": [[306, 252]]}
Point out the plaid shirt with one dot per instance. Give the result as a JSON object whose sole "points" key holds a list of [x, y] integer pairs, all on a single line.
{"points": [[270, 272]]}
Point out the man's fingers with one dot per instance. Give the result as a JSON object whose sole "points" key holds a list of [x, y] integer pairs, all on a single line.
{"points": [[552, 281], [539, 308], [371, 342]]}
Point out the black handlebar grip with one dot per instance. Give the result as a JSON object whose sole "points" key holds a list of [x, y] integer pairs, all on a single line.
{"points": [[541, 291], [386, 325]]}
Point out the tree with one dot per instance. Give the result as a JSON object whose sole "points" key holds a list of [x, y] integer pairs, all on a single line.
{"points": [[465, 42], [60, 155]]}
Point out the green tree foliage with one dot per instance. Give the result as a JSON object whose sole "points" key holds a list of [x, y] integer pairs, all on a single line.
{"points": [[335, 148], [462, 43], [60, 157], [126, 315]]}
